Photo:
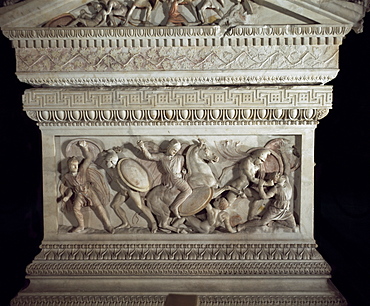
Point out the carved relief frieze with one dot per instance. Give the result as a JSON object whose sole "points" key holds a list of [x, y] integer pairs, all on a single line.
{"points": [[178, 141], [203, 55], [188, 187], [174, 58], [185, 106]]}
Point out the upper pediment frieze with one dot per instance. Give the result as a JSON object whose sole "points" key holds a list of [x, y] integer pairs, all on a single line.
{"points": [[180, 13]]}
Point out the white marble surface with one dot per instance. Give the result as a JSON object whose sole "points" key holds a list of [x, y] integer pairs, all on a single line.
{"points": [[276, 93]]}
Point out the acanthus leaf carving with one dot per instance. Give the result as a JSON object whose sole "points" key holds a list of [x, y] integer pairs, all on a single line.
{"points": [[175, 252]]}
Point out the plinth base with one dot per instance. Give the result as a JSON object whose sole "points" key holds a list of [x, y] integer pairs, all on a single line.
{"points": [[240, 274]]}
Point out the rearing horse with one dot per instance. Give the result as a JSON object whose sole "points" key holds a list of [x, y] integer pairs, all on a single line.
{"points": [[199, 175]]}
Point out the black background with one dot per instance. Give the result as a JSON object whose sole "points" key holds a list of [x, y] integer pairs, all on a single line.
{"points": [[342, 176]]}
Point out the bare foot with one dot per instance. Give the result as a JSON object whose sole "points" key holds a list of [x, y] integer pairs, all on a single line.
{"points": [[240, 227], [154, 227], [110, 229], [182, 231], [123, 225], [176, 212], [77, 229]]}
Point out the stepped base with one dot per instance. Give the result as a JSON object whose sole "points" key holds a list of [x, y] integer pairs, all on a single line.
{"points": [[255, 274]]}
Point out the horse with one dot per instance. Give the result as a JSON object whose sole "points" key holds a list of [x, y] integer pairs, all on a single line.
{"points": [[198, 157], [199, 175]]}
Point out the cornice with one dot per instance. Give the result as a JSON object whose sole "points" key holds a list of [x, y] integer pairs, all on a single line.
{"points": [[216, 35]]}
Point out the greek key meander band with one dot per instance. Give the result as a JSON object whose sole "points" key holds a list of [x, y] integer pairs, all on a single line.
{"points": [[184, 97], [184, 106]]}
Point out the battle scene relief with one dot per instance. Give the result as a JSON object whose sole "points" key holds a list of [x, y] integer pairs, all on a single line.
{"points": [[181, 185], [114, 13]]}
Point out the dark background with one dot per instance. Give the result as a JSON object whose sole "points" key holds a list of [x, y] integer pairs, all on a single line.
{"points": [[342, 155], [342, 205]]}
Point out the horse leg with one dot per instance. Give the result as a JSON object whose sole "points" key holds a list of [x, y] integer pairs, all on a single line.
{"points": [[164, 216], [219, 191]]}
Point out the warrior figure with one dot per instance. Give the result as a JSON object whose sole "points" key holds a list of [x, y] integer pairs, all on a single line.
{"points": [[79, 182], [173, 164]]}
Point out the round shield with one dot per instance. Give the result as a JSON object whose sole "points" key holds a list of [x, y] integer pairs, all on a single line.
{"points": [[133, 174], [293, 156], [73, 148], [60, 21], [197, 201], [273, 161]]}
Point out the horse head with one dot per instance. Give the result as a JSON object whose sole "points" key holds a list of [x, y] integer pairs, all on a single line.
{"points": [[198, 158], [205, 153]]}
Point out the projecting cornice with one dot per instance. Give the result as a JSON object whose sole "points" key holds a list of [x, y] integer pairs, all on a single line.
{"points": [[276, 42]]}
